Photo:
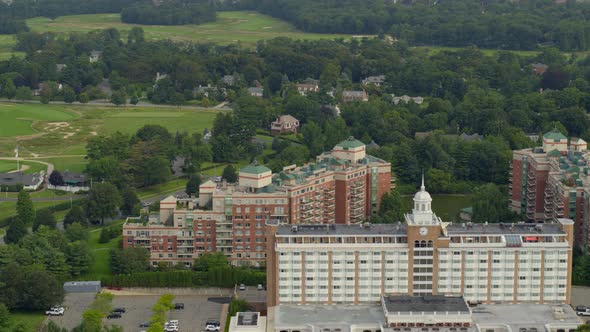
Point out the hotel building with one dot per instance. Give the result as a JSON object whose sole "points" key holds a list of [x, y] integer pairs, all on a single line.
{"points": [[343, 186], [353, 264], [552, 182]]}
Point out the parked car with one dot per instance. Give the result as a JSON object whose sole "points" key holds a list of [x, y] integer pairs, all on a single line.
{"points": [[242, 287], [55, 311], [583, 310], [146, 324], [260, 287], [119, 310], [114, 315], [212, 325], [178, 306], [171, 326]]}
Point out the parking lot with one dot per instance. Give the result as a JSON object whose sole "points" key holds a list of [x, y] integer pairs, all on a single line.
{"points": [[581, 296], [197, 309]]}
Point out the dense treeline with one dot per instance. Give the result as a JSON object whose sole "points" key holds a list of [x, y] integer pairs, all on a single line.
{"points": [[487, 24], [10, 25], [168, 13], [497, 96]]}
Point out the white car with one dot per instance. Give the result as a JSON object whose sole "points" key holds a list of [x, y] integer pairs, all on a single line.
{"points": [[260, 287], [212, 325], [171, 326], [55, 311], [242, 287]]}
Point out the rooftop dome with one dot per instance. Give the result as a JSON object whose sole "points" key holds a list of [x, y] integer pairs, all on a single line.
{"points": [[422, 195]]}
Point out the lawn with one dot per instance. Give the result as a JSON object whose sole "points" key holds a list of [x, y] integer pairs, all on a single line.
{"points": [[68, 163], [130, 120], [64, 129], [446, 207], [244, 27], [161, 189], [18, 119], [32, 320], [8, 209], [7, 43], [32, 167], [100, 252]]}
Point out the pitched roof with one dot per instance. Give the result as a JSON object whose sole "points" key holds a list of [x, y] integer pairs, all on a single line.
{"points": [[255, 168], [287, 119], [350, 143], [554, 135]]}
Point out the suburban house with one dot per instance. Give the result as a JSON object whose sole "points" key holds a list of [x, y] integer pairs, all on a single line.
{"points": [[374, 80], [406, 99], [539, 68], [205, 90], [28, 181], [95, 56], [309, 85], [351, 96], [256, 91], [284, 124]]}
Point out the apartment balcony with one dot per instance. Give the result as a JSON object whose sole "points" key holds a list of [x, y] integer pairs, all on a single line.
{"points": [[185, 244], [329, 193], [548, 193]]}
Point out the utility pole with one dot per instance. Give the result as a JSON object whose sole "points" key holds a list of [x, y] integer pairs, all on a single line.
{"points": [[16, 156]]}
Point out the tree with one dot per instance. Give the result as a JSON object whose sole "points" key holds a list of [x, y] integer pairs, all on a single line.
{"points": [[44, 217], [103, 202], [8, 88], [119, 97], [69, 94], [134, 99], [16, 231], [210, 261], [24, 93], [4, 317], [56, 179], [78, 256], [229, 174], [129, 260], [131, 204], [75, 215], [24, 208], [192, 186], [76, 232], [83, 98], [30, 288], [392, 207], [274, 81], [491, 205]]}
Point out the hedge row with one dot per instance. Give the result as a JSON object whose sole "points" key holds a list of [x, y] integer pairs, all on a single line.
{"points": [[220, 277]]}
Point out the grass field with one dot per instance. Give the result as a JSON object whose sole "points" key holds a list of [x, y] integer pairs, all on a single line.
{"points": [[7, 43], [244, 27], [57, 130], [8, 209], [161, 189], [68, 163], [18, 119], [100, 252], [33, 167]]}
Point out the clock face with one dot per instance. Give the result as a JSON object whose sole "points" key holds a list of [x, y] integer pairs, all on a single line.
{"points": [[423, 231]]}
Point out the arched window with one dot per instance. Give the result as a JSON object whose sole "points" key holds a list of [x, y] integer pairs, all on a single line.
{"points": [[423, 244], [416, 244], [429, 244]]}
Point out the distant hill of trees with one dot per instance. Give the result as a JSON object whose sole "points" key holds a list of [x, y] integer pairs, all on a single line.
{"points": [[169, 13], [487, 24]]}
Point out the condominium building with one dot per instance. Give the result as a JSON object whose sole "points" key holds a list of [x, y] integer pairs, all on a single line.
{"points": [[343, 186], [487, 263], [552, 182]]}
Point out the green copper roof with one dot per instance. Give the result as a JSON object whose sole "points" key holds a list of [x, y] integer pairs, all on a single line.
{"points": [[350, 143], [553, 153], [254, 168], [554, 135]]}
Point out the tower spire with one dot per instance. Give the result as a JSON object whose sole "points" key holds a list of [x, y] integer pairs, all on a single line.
{"points": [[422, 187]]}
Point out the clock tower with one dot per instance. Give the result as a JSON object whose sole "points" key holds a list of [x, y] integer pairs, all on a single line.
{"points": [[424, 233]]}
